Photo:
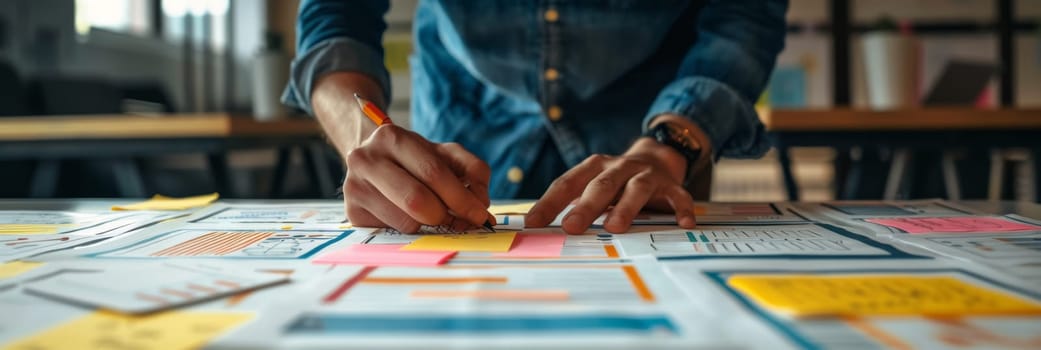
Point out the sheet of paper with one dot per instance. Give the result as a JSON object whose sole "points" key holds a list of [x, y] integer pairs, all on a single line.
{"points": [[290, 213], [105, 330], [962, 224], [757, 240], [515, 208], [39, 222], [76, 229], [705, 281], [525, 306], [383, 255], [876, 295], [160, 202], [708, 213], [232, 244], [874, 209], [536, 245], [44, 217], [499, 242], [140, 288], [14, 268], [984, 248]]}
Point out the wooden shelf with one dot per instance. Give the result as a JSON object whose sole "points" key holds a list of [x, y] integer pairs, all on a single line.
{"points": [[122, 126], [921, 119]]}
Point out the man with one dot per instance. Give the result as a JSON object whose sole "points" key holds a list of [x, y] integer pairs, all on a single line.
{"points": [[521, 99]]}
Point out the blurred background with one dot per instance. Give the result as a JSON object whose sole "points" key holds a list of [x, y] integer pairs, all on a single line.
{"points": [[110, 98]]}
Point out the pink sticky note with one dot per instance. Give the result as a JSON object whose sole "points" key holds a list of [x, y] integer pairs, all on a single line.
{"points": [[383, 255], [962, 224], [536, 245]]}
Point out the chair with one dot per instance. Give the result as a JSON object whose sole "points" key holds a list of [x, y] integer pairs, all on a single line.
{"points": [[17, 173], [12, 92], [75, 95], [64, 95]]}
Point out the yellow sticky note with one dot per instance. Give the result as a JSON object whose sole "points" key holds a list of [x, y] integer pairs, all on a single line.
{"points": [[107, 330], [29, 229], [14, 268], [516, 208], [878, 295], [498, 242], [161, 202]]}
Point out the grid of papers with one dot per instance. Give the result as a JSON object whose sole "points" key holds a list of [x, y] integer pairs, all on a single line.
{"points": [[907, 274]]}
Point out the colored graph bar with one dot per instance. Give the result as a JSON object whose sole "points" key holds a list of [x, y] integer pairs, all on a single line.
{"points": [[332, 324], [350, 282], [433, 280], [215, 243], [509, 295], [637, 282]]}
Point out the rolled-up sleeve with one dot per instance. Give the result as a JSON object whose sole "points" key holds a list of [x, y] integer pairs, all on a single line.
{"points": [[336, 36], [724, 72]]}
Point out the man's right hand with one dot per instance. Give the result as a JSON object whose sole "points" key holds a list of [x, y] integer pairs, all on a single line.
{"points": [[398, 179]]}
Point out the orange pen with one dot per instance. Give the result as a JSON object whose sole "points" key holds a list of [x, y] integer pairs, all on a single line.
{"points": [[370, 110]]}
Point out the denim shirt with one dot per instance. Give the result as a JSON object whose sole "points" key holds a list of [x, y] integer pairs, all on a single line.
{"points": [[535, 87]]}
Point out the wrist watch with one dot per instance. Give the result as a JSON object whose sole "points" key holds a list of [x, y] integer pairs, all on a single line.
{"points": [[680, 139]]}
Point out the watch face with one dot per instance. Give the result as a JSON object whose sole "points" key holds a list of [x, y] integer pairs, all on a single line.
{"points": [[680, 135]]}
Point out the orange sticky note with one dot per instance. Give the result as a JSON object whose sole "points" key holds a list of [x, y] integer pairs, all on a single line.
{"points": [[498, 242]]}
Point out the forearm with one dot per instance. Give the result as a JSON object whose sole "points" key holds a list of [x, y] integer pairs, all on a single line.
{"points": [[340, 116]]}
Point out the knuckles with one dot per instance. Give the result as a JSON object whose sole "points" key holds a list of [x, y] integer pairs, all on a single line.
{"points": [[598, 159], [605, 182], [414, 200], [388, 135], [630, 163], [357, 156], [641, 181], [451, 146], [564, 182], [428, 171]]}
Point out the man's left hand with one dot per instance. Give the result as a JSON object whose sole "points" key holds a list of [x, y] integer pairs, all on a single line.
{"points": [[649, 175]]}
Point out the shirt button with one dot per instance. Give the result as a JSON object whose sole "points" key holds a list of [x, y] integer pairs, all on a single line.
{"points": [[555, 113], [551, 74], [515, 175], [551, 15]]}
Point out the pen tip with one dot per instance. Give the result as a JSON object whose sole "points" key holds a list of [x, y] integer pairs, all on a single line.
{"points": [[488, 225]]}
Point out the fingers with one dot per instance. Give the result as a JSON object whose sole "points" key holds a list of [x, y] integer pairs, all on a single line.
{"points": [[397, 185], [638, 190], [381, 212], [430, 169], [563, 190], [600, 193], [683, 204]]}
